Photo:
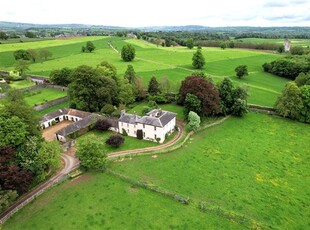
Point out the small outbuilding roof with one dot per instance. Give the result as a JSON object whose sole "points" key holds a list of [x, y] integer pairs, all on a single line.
{"points": [[60, 112], [85, 122]]}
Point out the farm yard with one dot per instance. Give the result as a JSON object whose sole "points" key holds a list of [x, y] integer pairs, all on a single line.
{"points": [[249, 172]]}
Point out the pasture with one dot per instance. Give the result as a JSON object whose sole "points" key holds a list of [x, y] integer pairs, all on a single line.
{"points": [[100, 201], [256, 166], [172, 62]]}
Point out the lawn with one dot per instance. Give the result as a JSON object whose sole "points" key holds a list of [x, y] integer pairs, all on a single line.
{"points": [[172, 62], [21, 84], [257, 166], [41, 96], [100, 201], [130, 142]]}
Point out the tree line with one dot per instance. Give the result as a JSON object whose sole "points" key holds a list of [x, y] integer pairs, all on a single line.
{"points": [[25, 158]]}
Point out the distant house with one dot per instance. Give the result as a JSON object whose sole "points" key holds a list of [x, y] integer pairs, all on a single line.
{"points": [[287, 45], [154, 126]]}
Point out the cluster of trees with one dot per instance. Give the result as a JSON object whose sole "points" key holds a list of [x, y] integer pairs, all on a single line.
{"points": [[289, 67], [32, 55], [90, 47], [200, 95], [99, 89], [294, 102], [25, 158]]}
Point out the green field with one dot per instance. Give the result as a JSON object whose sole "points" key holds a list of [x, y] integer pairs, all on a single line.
{"points": [[41, 96], [21, 84], [257, 166], [294, 42], [173, 62], [100, 201], [129, 143]]}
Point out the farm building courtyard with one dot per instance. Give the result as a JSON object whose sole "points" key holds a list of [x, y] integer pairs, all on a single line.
{"points": [[49, 133]]}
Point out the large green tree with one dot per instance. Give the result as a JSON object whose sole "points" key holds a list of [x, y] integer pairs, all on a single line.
{"points": [[105, 69], [226, 94], [130, 74], [128, 53], [153, 87], [193, 121], [12, 131], [90, 47], [192, 103], [45, 54], [15, 105], [61, 77], [21, 54], [198, 59], [92, 154], [126, 93], [89, 92], [241, 71], [289, 104], [305, 97]]}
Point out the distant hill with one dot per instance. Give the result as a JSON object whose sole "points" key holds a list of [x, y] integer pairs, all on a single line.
{"points": [[191, 28]]}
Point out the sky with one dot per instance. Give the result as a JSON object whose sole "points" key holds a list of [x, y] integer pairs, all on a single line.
{"points": [[139, 13]]}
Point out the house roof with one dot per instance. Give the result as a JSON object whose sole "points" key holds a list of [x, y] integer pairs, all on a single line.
{"points": [[60, 112], [85, 122], [156, 117]]}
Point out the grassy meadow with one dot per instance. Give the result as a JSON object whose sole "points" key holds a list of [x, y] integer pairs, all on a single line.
{"points": [[172, 62], [100, 201], [53, 108], [256, 166]]}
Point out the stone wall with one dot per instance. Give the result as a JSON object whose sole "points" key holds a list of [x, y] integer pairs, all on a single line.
{"points": [[51, 103]]}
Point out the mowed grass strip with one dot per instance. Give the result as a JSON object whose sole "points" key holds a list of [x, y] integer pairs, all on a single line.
{"points": [[41, 96], [101, 201], [257, 166]]}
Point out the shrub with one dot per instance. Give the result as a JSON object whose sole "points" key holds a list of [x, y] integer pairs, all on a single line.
{"points": [[107, 109], [124, 133], [53, 122], [115, 140], [102, 125], [158, 139]]}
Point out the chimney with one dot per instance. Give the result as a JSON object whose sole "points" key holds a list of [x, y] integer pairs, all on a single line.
{"points": [[123, 111], [135, 116]]}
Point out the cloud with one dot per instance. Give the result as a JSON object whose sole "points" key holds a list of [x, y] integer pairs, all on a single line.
{"points": [[275, 4]]}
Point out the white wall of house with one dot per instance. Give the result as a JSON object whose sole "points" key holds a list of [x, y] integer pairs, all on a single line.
{"points": [[61, 118], [149, 132], [60, 138]]}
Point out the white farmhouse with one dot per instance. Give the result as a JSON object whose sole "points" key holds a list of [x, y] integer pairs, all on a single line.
{"points": [[154, 126]]}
